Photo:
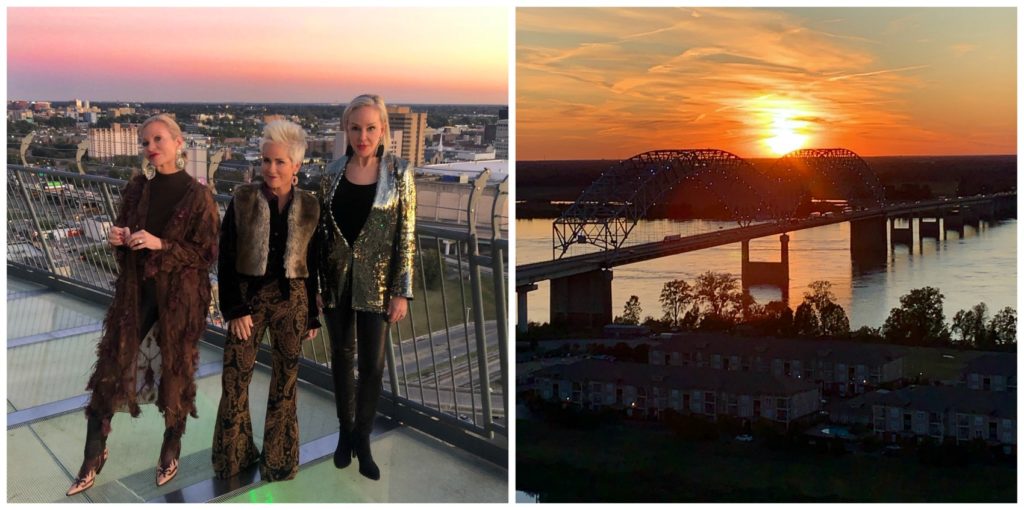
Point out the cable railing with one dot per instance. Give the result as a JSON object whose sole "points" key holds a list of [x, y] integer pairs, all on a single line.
{"points": [[447, 361]]}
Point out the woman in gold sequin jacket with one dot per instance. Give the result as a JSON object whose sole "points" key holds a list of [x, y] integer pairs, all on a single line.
{"points": [[368, 223]]}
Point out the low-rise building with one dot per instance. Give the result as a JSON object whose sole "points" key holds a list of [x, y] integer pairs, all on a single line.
{"points": [[649, 390], [843, 368], [947, 412], [992, 371]]}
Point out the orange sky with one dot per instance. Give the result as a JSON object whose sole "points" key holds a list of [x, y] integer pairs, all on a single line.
{"points": [[611, 83], [409, 55]]}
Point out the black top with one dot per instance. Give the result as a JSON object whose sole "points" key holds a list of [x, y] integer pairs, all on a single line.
{"points": [[165, 191], [351, 206], [232, 304]]}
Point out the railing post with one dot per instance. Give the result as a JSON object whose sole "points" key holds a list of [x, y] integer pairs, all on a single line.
{"points": [[25, 142], [389, 352], [478, 302], [498, 276], [47, 253], [211, 170], [83, 146]]}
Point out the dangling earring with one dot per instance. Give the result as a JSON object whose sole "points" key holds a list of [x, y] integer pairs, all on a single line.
{"points": [[348, 151], [295, 180], [380, 150], [180, 162], [148, 170]]}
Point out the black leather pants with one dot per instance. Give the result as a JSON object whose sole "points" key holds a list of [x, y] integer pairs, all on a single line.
{"points": [[352, 330]]}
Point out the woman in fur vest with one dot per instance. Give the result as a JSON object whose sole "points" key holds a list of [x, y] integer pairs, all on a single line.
{"points": [[368, 224], [165, 239], [267, 277]]}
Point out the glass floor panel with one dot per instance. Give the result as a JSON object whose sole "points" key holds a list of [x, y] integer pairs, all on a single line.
{"points": [[410, 473], [52, 311], [58, 369], [44, 455]]}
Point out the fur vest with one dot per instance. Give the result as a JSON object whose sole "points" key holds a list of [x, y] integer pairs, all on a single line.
{"points": [[252, 219]]}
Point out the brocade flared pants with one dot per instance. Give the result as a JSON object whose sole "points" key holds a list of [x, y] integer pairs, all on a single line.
{"points": [[233, 446]]}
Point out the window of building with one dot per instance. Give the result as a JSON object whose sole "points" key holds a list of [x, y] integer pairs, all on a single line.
{"points": [[757, 408], [709, 403], [786, 369], [986, 383], [908, 422], [733, 406], [963, 427], [993, 430]]}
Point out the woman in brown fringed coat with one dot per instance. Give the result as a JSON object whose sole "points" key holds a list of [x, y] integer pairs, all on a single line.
{"points": [[165, 239]]}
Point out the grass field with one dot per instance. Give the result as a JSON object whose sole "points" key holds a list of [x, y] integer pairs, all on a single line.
{"points": [[646, 463], [937, 363]]}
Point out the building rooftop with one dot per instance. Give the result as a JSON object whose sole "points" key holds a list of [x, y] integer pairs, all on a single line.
{"points": [[785, 348], [993, 363], [498, 167], [748, 383], [939, 399]]}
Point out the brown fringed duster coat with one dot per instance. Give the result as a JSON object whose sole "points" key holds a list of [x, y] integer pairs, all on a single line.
{"points": [[181, 274]]}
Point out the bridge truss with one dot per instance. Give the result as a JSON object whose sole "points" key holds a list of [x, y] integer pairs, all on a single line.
{"points": [[831, 174], [606, 212]]}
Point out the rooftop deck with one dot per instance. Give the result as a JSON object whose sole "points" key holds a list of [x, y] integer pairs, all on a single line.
{"points": [[51, 340]]}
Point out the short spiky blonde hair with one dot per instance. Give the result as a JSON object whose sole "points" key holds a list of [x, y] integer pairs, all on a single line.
{"points": [[289, 134], [377, 102]]}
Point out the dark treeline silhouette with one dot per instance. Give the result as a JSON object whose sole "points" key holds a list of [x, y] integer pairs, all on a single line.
{"points": [[714, 302], [538, 183]]}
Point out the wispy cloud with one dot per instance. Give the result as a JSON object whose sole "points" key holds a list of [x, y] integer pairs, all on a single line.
{"points": [[639, 78]]}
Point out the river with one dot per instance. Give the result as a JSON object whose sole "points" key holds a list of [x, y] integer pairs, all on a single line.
{"points": [[980, 267]]}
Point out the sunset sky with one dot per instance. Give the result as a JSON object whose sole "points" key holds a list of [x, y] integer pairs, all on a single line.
{"points": [[611, 83], [295, 55]]}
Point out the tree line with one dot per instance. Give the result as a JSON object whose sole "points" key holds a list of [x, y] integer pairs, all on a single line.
{"points": [[715, 302]]}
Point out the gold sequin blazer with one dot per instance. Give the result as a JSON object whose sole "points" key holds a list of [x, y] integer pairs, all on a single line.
{"points": [[381, 260]]}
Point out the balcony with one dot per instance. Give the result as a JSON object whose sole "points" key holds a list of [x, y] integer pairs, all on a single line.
{"points": [[441, 433]]}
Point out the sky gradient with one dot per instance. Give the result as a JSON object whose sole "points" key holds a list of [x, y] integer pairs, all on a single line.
{"points": [[293, 55], [611, 83]]}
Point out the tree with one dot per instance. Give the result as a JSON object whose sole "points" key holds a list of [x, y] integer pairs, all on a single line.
{"points": [[834, 321], [1002, 329], [918, 320], [718, 294], [822, 316], [631, 312], [805, 321], [675, 296], [970, 326]]}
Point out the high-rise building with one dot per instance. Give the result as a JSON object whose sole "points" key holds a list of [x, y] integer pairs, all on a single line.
{"points": [[501, 140], [412, 125], [118, 140]]}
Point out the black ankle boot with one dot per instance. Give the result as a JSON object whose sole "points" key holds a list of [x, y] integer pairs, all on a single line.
{"points": [[343, 453], [367, 467]]}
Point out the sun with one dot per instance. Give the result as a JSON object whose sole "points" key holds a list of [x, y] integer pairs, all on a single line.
{"points": [[787, 132]]}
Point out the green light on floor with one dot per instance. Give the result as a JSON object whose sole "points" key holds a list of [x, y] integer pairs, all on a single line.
{"points": [[261, 496]]}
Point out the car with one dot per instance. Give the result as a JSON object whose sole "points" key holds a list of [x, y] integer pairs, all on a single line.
{"points": [[744, 438]]}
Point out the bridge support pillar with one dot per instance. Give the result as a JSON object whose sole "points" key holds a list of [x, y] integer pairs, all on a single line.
{"points": [[869, 241], [582, 300], [1005, 207], [771, 273], [929, 227], [900, 234], [954, 221], [522, 323]]}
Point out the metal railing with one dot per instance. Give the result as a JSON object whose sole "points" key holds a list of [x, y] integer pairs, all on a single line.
{"points": [[447, 360]]}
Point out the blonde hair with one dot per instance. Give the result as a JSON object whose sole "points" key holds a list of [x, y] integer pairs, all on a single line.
{"points": [[289, 134], [377, 102], [172, 127]]}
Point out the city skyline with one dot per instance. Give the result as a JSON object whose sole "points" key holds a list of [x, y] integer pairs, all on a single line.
{"points": [[611, 83], [409, 55]]}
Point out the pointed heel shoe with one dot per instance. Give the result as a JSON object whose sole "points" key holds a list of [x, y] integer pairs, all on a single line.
{"points": [[166, 474], [85, 481]]}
